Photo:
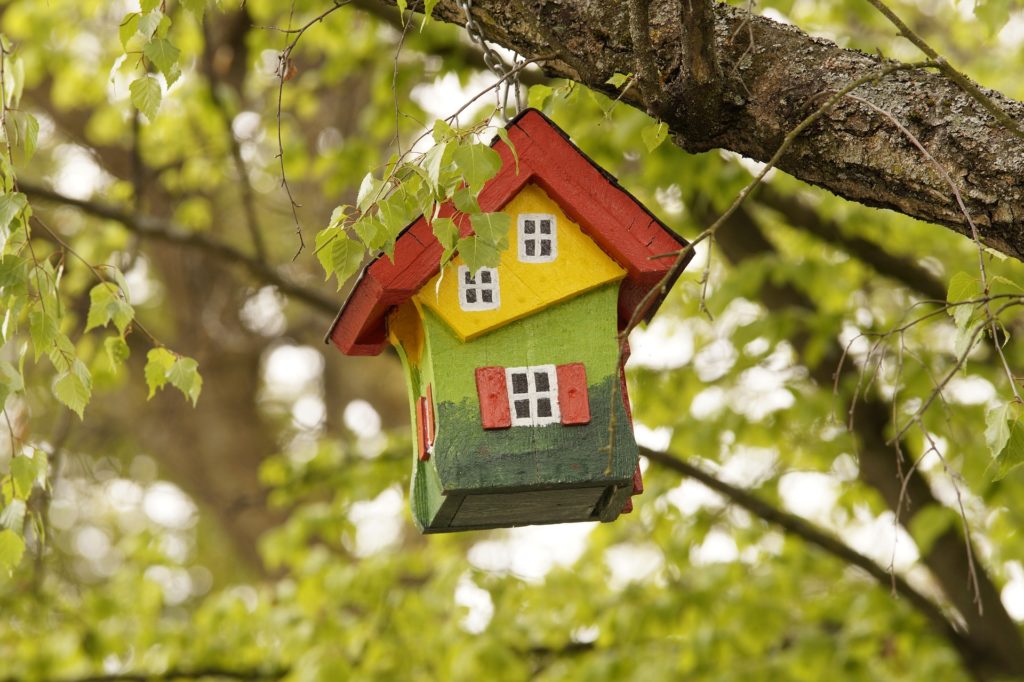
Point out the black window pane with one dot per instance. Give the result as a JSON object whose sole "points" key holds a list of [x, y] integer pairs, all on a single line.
{"points": [[519, 383], [545, 227], [545, 247], [469, 277], [531, 247], [529, 227], [544, 407], [523, 409], [470, 295], [485, 276], [541, 381], [487, 296]]}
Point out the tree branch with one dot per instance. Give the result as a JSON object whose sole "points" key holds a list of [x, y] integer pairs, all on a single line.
{"points": [[801, 215], [780, 74], [887, 468], [646, 69], [165, 231], [213, 672], [810, 533]]}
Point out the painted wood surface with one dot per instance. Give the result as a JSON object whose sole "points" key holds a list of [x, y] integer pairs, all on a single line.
{"points": [[591, 198], [525, 287], [492, 394], [572, 393]]}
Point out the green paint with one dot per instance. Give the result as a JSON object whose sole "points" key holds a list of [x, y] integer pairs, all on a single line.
{"points": [[583, 329], [479, 478]]}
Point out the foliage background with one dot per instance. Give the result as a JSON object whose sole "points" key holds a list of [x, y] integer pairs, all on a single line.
{"points": [[264, 533]]}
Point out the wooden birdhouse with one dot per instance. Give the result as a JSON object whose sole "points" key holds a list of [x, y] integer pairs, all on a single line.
{"points": [[513, 372]]}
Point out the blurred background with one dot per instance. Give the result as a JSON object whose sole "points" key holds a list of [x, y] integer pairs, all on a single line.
{"points": [[265, 533]]}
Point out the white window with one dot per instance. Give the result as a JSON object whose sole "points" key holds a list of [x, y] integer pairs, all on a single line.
{"points": [[479, 291], [538, 238], [533, 395]]}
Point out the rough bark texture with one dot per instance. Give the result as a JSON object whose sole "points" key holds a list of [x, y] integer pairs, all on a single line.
{"points": [[773, 76]]}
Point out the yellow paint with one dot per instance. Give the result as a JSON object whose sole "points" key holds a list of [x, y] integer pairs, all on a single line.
{"points": [[406, 329], [525, 288]]}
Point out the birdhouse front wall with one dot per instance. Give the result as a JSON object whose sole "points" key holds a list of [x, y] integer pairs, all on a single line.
{"points": [[549, 259], [572, 344]]}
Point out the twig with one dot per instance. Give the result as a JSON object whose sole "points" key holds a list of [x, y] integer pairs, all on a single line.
{"points": [[165, 231], [805, 530]]}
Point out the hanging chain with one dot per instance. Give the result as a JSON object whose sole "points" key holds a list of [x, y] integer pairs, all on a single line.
{"points": [[508, 76]]}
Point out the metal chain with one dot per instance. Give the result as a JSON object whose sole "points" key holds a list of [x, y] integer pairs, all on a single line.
{"points": [[508, 76]]}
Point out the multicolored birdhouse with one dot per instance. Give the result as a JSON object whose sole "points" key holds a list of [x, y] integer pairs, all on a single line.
{"points": [[515, 378]]}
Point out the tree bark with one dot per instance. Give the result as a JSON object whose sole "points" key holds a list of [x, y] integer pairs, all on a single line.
{"points": [[773, 76]]}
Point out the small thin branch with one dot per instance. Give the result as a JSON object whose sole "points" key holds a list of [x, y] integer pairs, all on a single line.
{"points": [[962, 81], [808, 532], [168, 232]]}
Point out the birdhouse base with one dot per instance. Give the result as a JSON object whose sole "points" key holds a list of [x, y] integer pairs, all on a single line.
{"points": [[480, 511]]}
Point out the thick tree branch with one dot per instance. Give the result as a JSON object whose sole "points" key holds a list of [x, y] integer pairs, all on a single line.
{"points": [[810, 533], [781, 73], [165, 231]]}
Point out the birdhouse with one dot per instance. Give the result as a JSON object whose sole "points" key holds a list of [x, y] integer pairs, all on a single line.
{"points": [[516, 387]]}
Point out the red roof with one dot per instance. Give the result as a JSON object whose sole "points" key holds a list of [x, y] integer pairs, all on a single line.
{"points": [[592, 198]]}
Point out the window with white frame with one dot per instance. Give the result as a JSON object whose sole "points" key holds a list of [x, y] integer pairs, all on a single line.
{"points": [[533, 395], [478, 291], [538, 238]]}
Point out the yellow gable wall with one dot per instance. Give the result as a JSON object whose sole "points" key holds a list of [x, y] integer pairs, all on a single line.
{"points": [[525, 288]]}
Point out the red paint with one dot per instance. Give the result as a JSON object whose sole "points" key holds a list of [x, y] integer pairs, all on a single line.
{"points": [[430, 417], [422, 436], [613, 218], [493, 394], [573, 401]]}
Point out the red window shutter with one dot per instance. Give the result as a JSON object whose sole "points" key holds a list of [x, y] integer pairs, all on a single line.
{"points": [[573, 401], [493, 394]]}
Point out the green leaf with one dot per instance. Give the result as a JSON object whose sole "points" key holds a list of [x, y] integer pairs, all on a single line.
{"points": [[106, 304], [962, 287], [146, 95], [493, 227], [997, 427], [43, 329], [11, 381], [618, 79], [25, 132], [1012, 455], [437, 158], [465, 200], [163, 55], [10, 206], [149, 23], [653, 135], [11, 549], [116, 349], [402, 6], [74, 388], [128, 28], [478, 253], [27, 471], [993, 13], [428, 9], [149, 5], [159, 362], [369, 192], [446, 231], [346, 256], [185, 377], [478, 163], [442, 132], [196, 7], [371, 231], [538, 96], [503, 134]]}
